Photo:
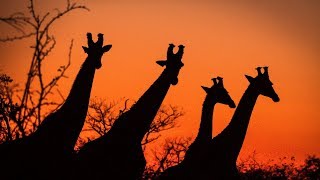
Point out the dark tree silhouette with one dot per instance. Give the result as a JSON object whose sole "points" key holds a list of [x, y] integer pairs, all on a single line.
{"points": [[282, 168], [102, 115], [172, 152], [169, 154], [310, 169], [8, 108], [36, 95]]}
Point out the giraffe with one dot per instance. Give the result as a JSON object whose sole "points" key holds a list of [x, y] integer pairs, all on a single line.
{"points": [[197, 153], [120, 149], [226, 146], [49, 150]]}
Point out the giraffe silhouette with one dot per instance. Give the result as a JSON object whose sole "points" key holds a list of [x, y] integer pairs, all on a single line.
{"points": [[226, 146], [46, 153], [118, 154], [198, 151]]}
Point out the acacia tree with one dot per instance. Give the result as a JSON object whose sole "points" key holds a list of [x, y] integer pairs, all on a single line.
{"points": [[23, 117], [169, 154], [102, 114]]}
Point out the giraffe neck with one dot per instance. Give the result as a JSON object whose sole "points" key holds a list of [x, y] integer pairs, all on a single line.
{"points": [[205, 130], [63, 126], [234, 134], [80, 91], [135, 123]]}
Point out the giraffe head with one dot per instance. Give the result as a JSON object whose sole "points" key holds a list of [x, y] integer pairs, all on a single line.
{"points": [[95, 50], [173, 63], [218, 94], [263, 84]]}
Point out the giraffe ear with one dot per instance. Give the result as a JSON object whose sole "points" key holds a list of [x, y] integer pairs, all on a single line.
{"points": [[161, 63], [206, 89], [250, 79], [85, 49], [106, 48]]}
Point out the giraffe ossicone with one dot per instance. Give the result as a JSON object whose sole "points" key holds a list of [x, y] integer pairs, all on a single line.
{"points": [[95, 50], [196, 161], [120, 148]]}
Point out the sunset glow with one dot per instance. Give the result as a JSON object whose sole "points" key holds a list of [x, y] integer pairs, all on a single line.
{"points": [[221, 38]]}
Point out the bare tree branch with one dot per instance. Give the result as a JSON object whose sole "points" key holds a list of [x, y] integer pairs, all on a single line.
{"points": [[102, 115], [171, 153], [36, 92], [165, 120]]}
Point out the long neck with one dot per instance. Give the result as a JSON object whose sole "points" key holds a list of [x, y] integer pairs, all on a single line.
{"points": [[80, 92], [77, 101], [65, 124], [205, 130], [136, 122], [234, 134]]}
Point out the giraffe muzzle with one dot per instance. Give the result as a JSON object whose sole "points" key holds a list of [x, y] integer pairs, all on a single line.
{"points": [[232, 105], [98, 65], [174, 81], [276, 98]]}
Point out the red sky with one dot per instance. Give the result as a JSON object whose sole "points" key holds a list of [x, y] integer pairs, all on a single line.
{"points": [[228, 39]]}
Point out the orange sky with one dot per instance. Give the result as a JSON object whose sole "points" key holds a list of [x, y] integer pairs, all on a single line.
{"points": [[225, 39]]}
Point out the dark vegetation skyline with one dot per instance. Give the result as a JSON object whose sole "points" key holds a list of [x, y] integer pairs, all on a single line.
{"points": [[21, 117]]}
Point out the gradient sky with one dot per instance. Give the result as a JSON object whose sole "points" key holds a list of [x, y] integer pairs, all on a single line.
{"points": [[228, 39]]}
